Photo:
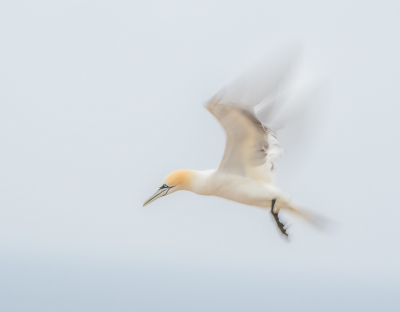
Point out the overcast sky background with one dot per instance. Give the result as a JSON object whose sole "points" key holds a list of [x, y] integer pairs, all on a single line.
{"points": [[100, 100]]}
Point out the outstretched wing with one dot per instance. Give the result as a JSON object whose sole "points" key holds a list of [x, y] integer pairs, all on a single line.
{"points": [[251, 147]]}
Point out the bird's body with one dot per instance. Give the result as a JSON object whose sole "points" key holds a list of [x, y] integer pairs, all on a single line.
{"points": [[231, 186], [247, 109]]}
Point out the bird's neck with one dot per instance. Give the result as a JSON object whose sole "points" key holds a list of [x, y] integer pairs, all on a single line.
{"points": [[199, 181]]}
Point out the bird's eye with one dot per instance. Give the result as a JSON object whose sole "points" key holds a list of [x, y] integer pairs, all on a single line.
{"points": [[165, 185]]}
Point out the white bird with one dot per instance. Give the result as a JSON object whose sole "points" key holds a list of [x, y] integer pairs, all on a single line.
{"points": [[249, 109]]}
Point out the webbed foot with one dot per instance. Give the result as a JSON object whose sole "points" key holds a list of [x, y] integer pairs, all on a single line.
{"points": [[281, 226]]}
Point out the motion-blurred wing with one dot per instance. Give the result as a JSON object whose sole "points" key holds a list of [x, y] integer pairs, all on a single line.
{"points": [[251, 147]]}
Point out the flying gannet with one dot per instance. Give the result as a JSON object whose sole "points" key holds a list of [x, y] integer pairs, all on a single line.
{"points": [[250, 109]]}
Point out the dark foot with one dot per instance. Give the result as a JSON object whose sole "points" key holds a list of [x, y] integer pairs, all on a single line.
{"points": [[279, 223]]}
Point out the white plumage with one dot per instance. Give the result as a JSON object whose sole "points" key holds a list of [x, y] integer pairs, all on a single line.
{"points": [[250, 109]]}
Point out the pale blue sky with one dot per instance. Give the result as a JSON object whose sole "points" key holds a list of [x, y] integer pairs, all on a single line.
{"points": [[100, 100]]}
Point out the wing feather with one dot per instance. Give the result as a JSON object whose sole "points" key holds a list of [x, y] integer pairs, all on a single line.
{"points": [[251, 148], [251, 145]]}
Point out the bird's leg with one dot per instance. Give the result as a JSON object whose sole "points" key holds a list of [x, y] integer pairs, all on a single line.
{"points": [[279, 223]]}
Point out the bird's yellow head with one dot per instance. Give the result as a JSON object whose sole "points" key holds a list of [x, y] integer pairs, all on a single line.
{"points": [[175, 181]]}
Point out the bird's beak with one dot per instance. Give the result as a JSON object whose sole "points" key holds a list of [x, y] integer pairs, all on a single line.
{"points": [[156, 195]]}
